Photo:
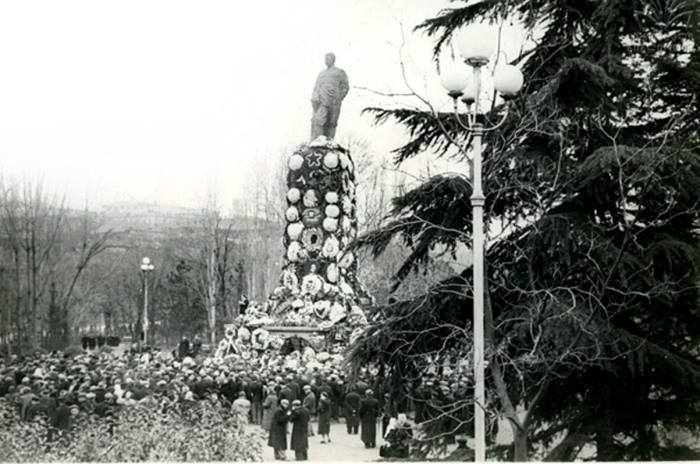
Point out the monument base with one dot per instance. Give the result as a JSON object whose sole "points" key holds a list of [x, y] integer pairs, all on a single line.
{"points": [[305, 332]]}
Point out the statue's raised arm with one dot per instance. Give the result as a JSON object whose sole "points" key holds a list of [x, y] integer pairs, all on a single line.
{"points": [[331, 87]]}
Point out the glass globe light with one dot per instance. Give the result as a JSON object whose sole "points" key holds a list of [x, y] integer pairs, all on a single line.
{"points": [[476, 43], [508, 80], [454, 78], [146, 261]]}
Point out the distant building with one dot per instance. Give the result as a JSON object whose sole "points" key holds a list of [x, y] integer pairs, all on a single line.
{"points": [[153, 221], [124, 216]]}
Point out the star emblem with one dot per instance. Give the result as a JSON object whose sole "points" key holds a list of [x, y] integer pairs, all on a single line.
{"points": [[314, 159]]}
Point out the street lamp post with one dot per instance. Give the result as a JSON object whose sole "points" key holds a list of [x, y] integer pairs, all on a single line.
{"points": [[146, 267], [476, 49]]}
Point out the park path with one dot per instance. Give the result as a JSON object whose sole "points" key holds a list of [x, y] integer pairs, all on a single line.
{"points": [[343, 447]]}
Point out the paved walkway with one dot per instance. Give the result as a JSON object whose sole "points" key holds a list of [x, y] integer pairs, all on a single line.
{"points": [[343, 447]]}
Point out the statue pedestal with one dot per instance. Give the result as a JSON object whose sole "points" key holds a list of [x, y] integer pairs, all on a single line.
{"points": [[304, 332], [314, 337]]}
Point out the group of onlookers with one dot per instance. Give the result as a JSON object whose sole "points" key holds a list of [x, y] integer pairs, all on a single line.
{"points": [[257, 389]]}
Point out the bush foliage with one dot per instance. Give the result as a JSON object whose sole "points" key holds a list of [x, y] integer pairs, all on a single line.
{"points": [[143, 432]]}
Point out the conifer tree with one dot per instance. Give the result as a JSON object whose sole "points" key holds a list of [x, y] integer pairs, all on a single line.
{"points": [[593, 322]]}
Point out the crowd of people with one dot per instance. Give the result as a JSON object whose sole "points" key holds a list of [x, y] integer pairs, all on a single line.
{"points": [[278, 395]]}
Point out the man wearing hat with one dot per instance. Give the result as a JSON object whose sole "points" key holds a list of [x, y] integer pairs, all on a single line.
{"points": [[278, 430], [369, 410], [338, 395], [255, 393], [287, 393], [352, 408], [294, 386], [310, 405], [300, 440]]}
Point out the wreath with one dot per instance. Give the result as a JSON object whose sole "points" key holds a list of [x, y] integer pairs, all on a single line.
{"points": [[311, 284], [311, 217], [310, 199], [331, 247], [312, 239]]}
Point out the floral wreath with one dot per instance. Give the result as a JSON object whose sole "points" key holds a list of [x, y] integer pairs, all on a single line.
{"points": [[312, 239], [311, 284]]}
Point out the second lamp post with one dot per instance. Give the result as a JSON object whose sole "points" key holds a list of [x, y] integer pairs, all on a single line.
{"points": [[476, 45]]}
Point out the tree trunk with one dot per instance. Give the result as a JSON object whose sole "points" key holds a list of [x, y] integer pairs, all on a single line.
{"points": [[18, 301], [566, 450], [31, 315], [36, 323], [519, 444], [605, 447], [55, 325], [211, 296]]}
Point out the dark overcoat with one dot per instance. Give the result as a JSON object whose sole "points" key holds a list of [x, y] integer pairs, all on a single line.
{"points": [[287, 394], [352, 408], [369, 410], [278, 429], [324, 416], [310, 402], [300, 431]]}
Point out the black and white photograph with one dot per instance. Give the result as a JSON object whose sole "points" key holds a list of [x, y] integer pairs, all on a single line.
{"points": [[349, 230]]}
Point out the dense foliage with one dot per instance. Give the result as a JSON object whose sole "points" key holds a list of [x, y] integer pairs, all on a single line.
{"points": [[195, 432], [593, 198]]}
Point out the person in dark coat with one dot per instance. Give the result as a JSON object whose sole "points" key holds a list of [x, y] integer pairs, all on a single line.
{"points": [[310, 405], [300, 417], [388, 412], [62, 419], [338, 397], [102, 408], [287, 393], [324, 417], [361, 387], [369, 410], [230, 389], [196, 346], [255, 391], [183, 349], [352, 408], [242, 305], [269, 406], [295, 387], [5, 383], [278, 430]]}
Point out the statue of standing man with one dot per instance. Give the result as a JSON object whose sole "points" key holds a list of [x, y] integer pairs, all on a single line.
{"points": [[331, 88]]}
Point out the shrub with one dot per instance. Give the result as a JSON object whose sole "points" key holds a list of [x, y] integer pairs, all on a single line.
{"points": [[143, 432]]}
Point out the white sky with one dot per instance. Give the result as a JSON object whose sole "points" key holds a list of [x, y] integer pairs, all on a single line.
{"points": [[156, 101]]}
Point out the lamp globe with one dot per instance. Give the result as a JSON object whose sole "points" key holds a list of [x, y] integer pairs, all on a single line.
{"points": [[453, 77], [476, 44], [508, 80]]}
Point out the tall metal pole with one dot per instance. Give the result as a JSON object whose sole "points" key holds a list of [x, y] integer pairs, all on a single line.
{"points": [[145, 308], [478, 200]]}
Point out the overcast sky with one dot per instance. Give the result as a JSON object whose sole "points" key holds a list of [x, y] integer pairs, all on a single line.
{"points": [[156, 101]]}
